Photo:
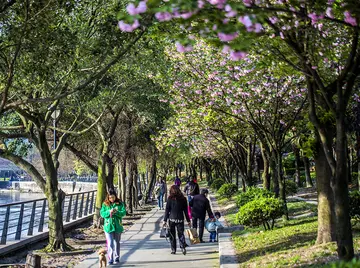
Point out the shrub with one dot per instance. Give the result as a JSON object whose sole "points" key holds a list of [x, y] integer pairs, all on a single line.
{"points": [[216, 184], [354, 176], [251, 194], [227, 190], [290, 171], [290, 187], [260, 211], [354, 203], [354, 263]]}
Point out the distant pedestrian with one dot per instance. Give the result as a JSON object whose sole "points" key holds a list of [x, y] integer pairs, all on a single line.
{"points": [[113, 210], [199, 206], [212, 225], [177, 181], [160, 192], [192, 188], [175, 211]]}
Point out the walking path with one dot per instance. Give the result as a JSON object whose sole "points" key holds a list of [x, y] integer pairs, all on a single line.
{"points": [[141, 246]]}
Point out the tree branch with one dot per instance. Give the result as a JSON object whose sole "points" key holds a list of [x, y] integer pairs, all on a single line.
{"points": [[82, 156], [25, 165]]}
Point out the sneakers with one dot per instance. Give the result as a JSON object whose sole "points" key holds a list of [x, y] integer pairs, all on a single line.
{"points": [[173, 252], [116, 261], [110, 262], [210, 241]]}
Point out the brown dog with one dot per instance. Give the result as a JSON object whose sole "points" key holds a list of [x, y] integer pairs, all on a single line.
{"points": [[102, 258]]}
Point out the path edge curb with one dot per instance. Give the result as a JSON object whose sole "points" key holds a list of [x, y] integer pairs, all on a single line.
{"points": [[227, 252]]}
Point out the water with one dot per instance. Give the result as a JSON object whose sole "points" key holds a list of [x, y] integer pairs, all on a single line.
{"points": [[7, 197]]}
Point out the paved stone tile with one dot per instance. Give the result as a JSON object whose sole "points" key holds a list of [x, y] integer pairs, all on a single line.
{"points": [[141, 246]]}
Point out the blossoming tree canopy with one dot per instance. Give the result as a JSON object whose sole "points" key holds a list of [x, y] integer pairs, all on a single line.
{"points": [[233, 25]]}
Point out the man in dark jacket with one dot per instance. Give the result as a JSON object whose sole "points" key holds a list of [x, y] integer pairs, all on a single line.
{"points": [[200, 205]]}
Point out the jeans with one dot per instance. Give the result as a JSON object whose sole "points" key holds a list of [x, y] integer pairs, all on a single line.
{"points": [[180, 231], [113, 246], [212, 235], [201, 226], [161, 200]]}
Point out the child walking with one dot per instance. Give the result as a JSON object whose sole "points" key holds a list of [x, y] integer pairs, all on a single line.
{"points": [[212, 225], [113, 210]]}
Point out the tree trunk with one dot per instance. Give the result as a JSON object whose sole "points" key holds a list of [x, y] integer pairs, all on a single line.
{"points": [[296, 152], [123, 179], [129, 188], [266, 173], [153, 172], [326, 212], [282, 183], [249, 179], [120, 185], [109, 171], [358, 176], [56, 228], [341, 192], [274, 175], [237, 177], [309, 182], [54, 196], [135, 182], [349, 164], [101, 191]]}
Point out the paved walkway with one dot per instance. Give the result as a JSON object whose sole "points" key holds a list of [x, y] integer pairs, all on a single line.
{"points": [[141, 246]]}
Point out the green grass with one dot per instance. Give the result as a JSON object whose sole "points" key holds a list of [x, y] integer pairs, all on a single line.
{"points": [[291, 243], [300, 207]]}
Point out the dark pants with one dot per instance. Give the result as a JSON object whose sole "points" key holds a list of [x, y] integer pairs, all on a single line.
{"points": [[180, 231], [201, 226]]}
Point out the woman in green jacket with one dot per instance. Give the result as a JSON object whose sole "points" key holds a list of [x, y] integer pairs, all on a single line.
{"points": [[113, 210]]}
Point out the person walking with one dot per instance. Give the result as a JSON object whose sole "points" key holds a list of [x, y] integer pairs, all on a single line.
{"points": [[176, 209], [160, 191], [199, 206], [177, 181], [113, 210], [192, 188]]}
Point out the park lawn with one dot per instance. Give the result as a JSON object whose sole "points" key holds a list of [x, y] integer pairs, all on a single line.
{"points": [[290, 244], [229, 208], [296, 208]]}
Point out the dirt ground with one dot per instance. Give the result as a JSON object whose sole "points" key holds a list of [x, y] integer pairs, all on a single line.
{"points": [[84, 239]]}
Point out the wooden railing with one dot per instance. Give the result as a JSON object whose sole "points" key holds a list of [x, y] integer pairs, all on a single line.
{"points": [[29, 218]]}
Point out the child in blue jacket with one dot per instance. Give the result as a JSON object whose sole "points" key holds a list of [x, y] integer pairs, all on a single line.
{"points": [[212, 225]]}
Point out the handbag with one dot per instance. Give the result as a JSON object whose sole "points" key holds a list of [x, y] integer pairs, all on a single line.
{"points": [[164, 232], [193, 236]]}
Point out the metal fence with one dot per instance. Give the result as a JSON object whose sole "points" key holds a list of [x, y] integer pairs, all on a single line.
{"points": [[28, 218]]}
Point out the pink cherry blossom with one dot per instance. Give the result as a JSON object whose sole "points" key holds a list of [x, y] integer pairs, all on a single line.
{"points": [[227, 37], [128, 27], [349, 19], [180, 48], [163, 16], [329, 12], [132, 10], [248, 2], [237, 55]]}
